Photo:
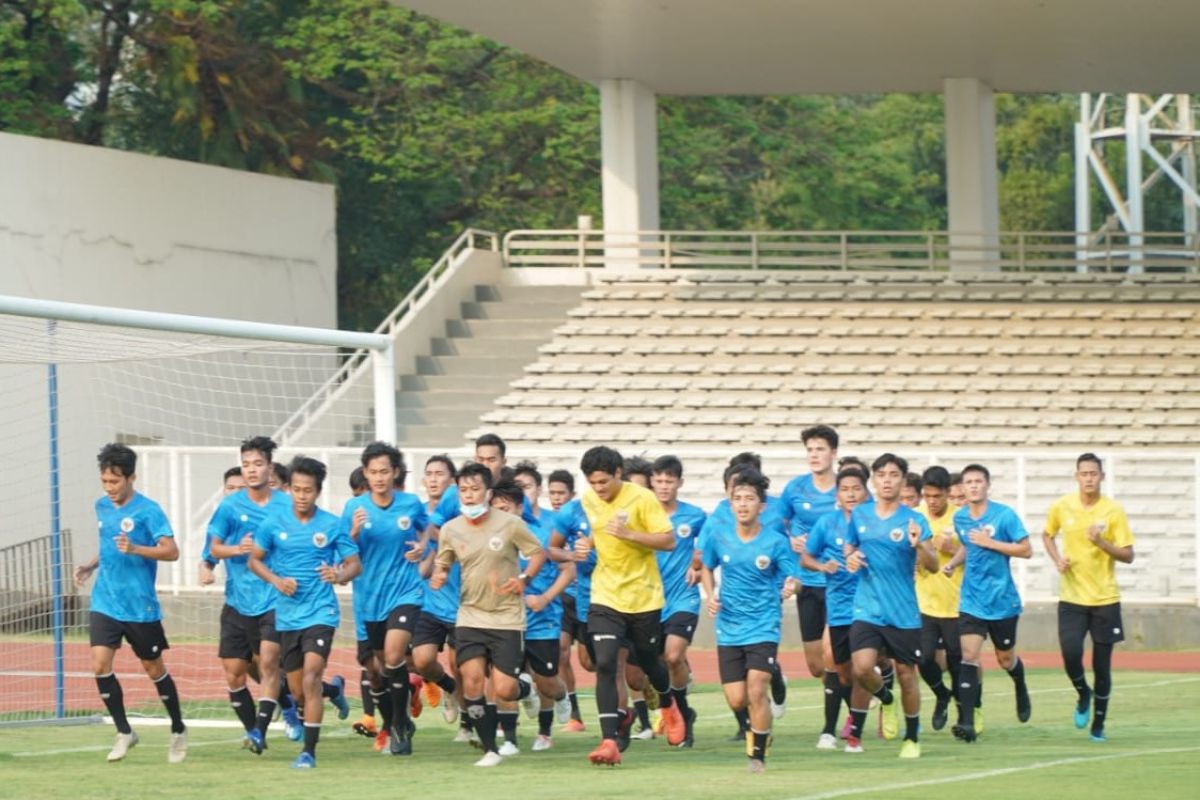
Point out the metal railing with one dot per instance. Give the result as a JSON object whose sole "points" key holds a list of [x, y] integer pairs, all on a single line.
{"points": [[1027, 251], [27, 584]]}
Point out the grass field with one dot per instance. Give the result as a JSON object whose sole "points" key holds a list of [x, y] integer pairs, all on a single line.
{"points": [[1153, 749]]}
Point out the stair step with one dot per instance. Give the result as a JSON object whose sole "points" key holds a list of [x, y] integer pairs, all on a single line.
{"points": [[484, 368], [483, 346], [447, 437], [534, 312], [498, 329], [558, 295], [452, 383], [420, 398]]}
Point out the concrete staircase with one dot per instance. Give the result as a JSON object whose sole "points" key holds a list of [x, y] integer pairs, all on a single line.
{"points": [[488, 347]]}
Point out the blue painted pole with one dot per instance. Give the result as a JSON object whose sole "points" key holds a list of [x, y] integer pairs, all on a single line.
{"points": [[56, 555]]}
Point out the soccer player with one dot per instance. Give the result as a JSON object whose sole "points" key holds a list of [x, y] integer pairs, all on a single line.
{"points": [[753, 564], [1095, 535], [636, 470], [368, 675], [560, 489], [884, 543], [233, 481], [824, 550], [681, 610], [249, 640], [938, 593], [388, 527], [989, 606], [627, 525], [281, 478], [957, 497], [308, 552], [487, 543], [910, 494], [134, 536]]}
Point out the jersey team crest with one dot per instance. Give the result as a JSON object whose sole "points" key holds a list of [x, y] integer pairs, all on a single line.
{"points": [[320, 540], [896, 534], [495, 543], [762, 562], [404, 523], [684, 531], [127, 525]]}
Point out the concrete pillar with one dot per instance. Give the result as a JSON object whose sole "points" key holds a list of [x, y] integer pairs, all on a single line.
{"points": [[629, 165], [974, 201]]}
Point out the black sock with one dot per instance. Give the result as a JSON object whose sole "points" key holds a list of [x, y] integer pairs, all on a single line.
{"points": [[858, 717], [285, 694], [778, 685], [526, 688], [609, 723], [446, 683], [643, 712], [846, 692], [486, 728], [242, 703], [545, 720], [1017, 673], [508, 724], [170, 700], [383, 702], [575, 715], [912, 724], [464, 720], [114, 701], [1099, 713], [1081, 686], [312, 732], [679, 698], [931, 673], [743, 719], [968, 691], [888, 674], [266, 713], [884, 693], [397, 682], [833, 702], [368, 699], [329, 691], [758, 744]]}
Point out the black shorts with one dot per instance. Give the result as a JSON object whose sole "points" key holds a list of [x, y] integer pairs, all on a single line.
{"points": [[570, 620], [839, 641], [364, 652], [682, 624], [293, 645], [1002, 632], [542, 656], [400, 618], [504, 650], [242, 636], [902, 644], [147, 639], [939, 633], [734, 661], [641, 632], [431, 630], [810, 603], [1102, 622]]}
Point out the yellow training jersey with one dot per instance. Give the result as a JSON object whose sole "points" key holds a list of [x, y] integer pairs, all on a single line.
{"points": [[626, 576], [937, 595], [1092, 578]]}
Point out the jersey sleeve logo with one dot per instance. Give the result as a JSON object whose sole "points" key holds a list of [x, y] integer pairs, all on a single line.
{"points": [[320, 540], [762, 562], [495, 543], [725, 558], [283, 536], [896, 534], [245, 518], [404, 523], [127, 525], [684, 531], [806, 506]]}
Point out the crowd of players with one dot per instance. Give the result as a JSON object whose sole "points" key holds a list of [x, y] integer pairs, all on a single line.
{"points": [[897, 578]]}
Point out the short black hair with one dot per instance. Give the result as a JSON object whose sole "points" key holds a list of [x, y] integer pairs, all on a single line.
{"points": [[754, 479], [376, 449], [358, 481], [118, 457], [636, 465], [937, 477], [262, 444], [851, 472], [854, 462], [507, 473], [889, 458], [229, 473], [667, 465], [564, 477], [442, 458], [955, 479], [528, 468], [734, 469], [980, 468], [820, 432], [282, 473], [303, 465], [1092, 457], [601, 459], [747, 458], [510, 491], [491, 440], [913, 481], [475, 470]]}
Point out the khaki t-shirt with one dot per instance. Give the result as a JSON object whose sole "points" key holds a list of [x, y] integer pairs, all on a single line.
{"points": [[487, 552]]}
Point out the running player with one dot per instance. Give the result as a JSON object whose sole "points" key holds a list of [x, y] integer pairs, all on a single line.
{"points": [[990, 533], [308, 553], [491, 618], [560, 489], [910, 495], [957, 497], [134, 536], [388, 527], [753, 562], [937, 594], [884, 543], [1095, 535]]}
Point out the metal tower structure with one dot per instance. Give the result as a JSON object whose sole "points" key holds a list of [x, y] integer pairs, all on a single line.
{"points": [[1161, 128]]}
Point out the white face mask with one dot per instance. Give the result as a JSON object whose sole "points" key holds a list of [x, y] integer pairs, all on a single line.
{"points": [[473, 512]]}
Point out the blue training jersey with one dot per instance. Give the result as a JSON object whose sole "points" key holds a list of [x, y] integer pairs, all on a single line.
{"points": [[388, 578], [236, 517], [886, 593], [826, 541], [988, 590], [295, 549], [751, 573], [774, 518], [806, 504], [442, 604], [124, 588], [544, 624], [572, 522], [688, 522]]}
